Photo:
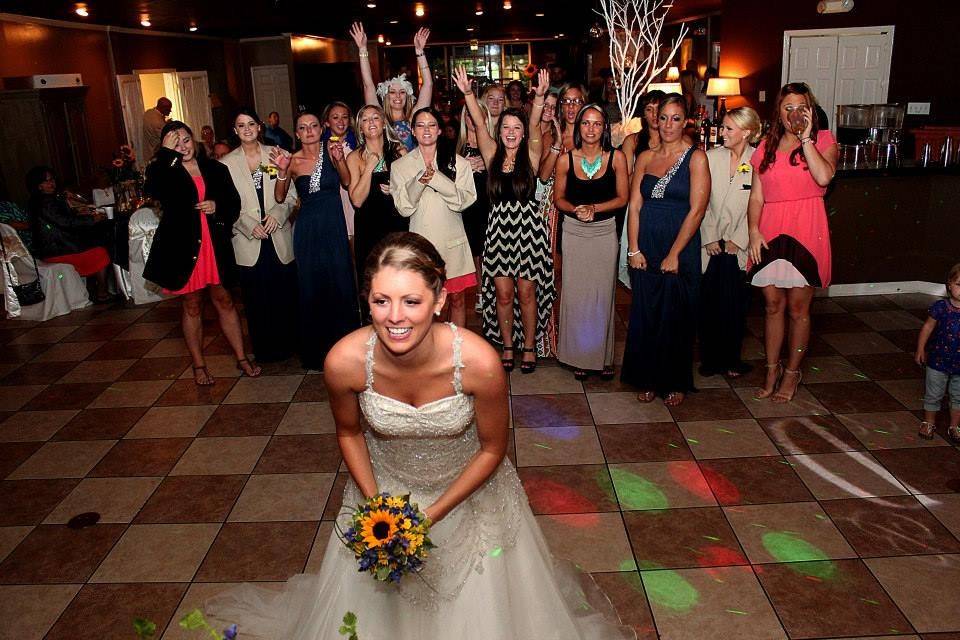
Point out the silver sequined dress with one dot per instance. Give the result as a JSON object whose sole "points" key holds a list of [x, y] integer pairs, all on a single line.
{"points": [[491, 576]]}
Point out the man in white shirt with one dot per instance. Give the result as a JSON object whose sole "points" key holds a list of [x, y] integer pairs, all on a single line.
{"points": [[153, 121]]}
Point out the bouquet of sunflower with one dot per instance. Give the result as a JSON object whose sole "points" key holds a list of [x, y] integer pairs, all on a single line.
{"points": [[389, 536]]}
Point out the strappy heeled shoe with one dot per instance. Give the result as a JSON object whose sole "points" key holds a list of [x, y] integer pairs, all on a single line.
{"points": [[954, 433], [208, 381], [764, 393], [527, 366], [927, 429], [781, 397], [505, 361]]}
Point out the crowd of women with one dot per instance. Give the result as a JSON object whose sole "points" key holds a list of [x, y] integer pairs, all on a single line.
{"points": [[528, 208]]}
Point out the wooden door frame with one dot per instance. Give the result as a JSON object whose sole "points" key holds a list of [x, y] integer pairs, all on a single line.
{"points": [[841, 31]]}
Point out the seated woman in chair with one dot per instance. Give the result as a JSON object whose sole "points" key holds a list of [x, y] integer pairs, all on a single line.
{"points": [[64, 235]]}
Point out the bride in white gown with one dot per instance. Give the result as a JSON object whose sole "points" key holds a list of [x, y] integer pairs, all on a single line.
{"points": [[434, 400]]}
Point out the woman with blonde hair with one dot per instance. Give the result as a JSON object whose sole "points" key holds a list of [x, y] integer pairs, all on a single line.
{"points": [[396, 94], [494, 101], [724, 237]]}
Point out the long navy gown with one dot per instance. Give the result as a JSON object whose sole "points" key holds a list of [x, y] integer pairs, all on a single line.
{"points": [[328, 293], [663, 312]]}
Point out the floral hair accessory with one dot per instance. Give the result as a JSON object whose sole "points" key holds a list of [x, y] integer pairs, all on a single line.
{"points": [[743, 168], [384, 87]]}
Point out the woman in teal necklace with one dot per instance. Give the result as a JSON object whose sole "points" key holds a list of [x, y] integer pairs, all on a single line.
{"points": [[591, 191]]}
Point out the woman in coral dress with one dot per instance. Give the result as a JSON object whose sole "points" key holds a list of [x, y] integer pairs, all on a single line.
{"points": [[789, 236]]}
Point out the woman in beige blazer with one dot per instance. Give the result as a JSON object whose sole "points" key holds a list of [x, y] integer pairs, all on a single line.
{"points": [[432, 185], [263, 245], [725, 237]]}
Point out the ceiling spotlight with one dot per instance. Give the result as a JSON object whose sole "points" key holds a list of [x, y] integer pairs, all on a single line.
{"points": [[193, 28], [371, 5], [507, 4], [419, 10], [380, 39], [81, 10], [145, 22], [394, 21], [469, 28], [388, 43], [539, 15], [479, 10]]}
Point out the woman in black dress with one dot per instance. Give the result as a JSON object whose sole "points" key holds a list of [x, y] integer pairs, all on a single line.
{"points": [[263, 244], [191, 249], [369, 165], [475, 216]]}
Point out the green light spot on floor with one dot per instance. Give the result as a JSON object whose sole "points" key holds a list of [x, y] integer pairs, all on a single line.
{"points": [[497, 551], [714, 538], [669, 590], [627, 565], [692, 441], [881, 431], [860, 375], [869, 601], [542, 446], [739, 613], [815, 368], [673, 445], [789, 547], [636, 492], [724, 430]]}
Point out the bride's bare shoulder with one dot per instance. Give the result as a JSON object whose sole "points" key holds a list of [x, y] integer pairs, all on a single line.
{"points": [[480, 360], [345, 361]]}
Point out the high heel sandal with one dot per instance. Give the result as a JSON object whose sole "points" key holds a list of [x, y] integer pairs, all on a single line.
{"points": [[781, 397], [527, 366], [209, 380], [579, 374], [763, 394], [954, 433], [505, 361], [254, 368], [646, 397], [927, 429], [608, 374]]}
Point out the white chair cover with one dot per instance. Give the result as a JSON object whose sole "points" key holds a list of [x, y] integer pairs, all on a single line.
{"points": [[103, 197], [142, 227], [63, 288]]}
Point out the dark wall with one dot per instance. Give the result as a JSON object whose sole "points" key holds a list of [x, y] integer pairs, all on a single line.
{"points": [[32, 49], [925, 48]]}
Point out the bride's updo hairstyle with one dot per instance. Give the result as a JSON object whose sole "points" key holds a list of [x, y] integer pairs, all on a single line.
{"points": [[406, 251]]}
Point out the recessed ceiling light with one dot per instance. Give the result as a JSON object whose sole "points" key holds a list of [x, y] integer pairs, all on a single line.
{"points": [[539, 15], [145, 22], [193, 28], [380, 39], [394, 21], [388, 43], [562, 35], [479, 10], [81, 10], [371, 5], [419, 10], [507, 4], [469, 28]]}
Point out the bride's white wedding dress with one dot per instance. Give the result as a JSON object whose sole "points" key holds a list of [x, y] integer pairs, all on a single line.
{"points": [[491, 576]]}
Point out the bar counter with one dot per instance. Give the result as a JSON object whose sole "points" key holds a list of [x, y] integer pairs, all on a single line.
{"points": [[894, 224]]}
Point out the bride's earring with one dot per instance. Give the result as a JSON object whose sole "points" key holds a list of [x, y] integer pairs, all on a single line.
{"points": [[437, 313]]}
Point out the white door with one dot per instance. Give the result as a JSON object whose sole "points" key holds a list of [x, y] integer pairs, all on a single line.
{"points": [[195, 99], [131, 106], [271, 92], [863, 69], [813, 60]]}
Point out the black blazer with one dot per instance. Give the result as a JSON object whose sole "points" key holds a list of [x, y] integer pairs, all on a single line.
{"points": [[176, 243]]}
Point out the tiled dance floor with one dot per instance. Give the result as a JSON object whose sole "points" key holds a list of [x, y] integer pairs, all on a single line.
{"points": [[725, 517]]}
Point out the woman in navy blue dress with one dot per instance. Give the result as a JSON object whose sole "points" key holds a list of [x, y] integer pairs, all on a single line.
{"points": [[328, 292], [671, 187]]}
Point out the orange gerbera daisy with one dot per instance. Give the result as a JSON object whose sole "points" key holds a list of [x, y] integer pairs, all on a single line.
{"points": [[378, 528]]}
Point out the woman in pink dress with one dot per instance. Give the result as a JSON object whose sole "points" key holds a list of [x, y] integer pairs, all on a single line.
{"points": [[789, 236], [192, 250]]}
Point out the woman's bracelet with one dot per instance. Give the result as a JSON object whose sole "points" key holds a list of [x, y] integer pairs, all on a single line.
{"points": [[420, 54], [630, 254], [539, 104], [806, 140], [283, 179], [363, 53], [468, 93], [556, 149]]}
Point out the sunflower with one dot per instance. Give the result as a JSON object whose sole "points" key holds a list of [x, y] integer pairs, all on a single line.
{"points": [[396, 502], [378, 527]]}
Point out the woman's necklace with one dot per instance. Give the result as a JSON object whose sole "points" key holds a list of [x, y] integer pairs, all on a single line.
{"points": [[591, 169]]}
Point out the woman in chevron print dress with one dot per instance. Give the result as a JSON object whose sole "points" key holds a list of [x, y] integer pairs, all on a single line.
{"points": [[516, 288]]}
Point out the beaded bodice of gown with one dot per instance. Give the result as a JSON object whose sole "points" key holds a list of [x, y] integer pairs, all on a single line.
{"points": [[422, 450]]}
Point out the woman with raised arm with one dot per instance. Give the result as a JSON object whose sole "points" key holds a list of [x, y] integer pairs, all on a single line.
{"points": [[421, 409], [671, 187], [328, 292], [263, 244], [376, 216], [396, 95], [590, 190], [191, 251], [432, 186], [476, 215], [789, 234], [516, 282], [494, 100]]}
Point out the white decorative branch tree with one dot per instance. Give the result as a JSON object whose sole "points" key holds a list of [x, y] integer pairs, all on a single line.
{"points": [[636, 55]]}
